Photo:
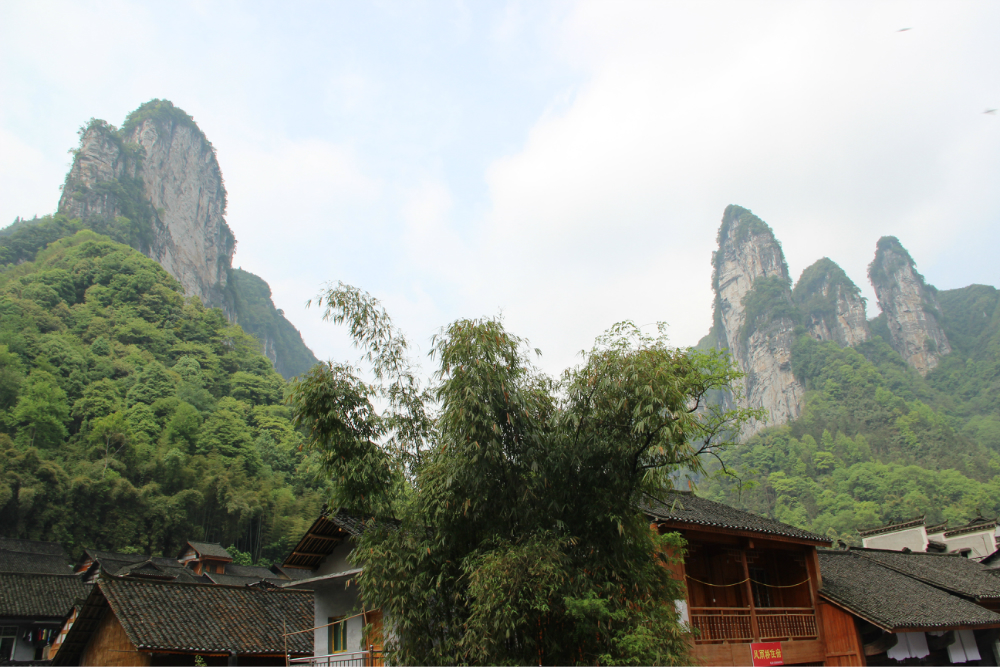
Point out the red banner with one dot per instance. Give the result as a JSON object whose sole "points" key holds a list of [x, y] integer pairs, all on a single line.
{"points": [[766, 654]]}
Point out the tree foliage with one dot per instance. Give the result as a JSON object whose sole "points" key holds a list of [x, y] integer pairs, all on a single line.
{"points": [[131, 417], [507, 528]]}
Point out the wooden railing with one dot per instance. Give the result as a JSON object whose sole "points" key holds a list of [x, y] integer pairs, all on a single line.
{"points": [[370, 658], [786, 623], [734, 624]]}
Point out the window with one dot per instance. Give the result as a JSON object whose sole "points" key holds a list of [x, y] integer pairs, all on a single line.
{"points": [[338, 635], [7, 635]]}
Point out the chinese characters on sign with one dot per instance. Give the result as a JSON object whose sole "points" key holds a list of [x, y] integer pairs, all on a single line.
{"points": [[766, 654]]}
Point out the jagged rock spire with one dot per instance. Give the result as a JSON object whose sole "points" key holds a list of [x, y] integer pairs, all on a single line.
{"points": [[831, 305], [909, 305], [754, 315]]}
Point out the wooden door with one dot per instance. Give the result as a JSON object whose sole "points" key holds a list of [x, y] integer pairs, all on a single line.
{"points": [[374, 637], [843, 644]]}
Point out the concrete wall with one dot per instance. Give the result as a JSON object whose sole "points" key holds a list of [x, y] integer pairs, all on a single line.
{"points": [[336, 561], [335, 599], [913, 538]]}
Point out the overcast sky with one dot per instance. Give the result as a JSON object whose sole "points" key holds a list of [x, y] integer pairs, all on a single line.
{"points": [[565, 164]]}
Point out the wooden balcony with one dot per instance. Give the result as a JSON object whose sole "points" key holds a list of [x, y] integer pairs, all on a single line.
{"points": [[736, 624]]}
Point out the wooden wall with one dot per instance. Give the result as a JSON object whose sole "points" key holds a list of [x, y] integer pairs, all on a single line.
{"points": [[110, 646], [843, 643]]}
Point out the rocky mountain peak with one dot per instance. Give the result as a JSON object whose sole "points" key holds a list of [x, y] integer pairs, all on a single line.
{"points": [[831, 305], [156, 185], [909, 304], [158, 176], [755, 317]]}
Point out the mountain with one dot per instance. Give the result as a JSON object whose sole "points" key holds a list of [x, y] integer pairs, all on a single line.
{"points": [[754, 314], [155, 184], [870, 421]]}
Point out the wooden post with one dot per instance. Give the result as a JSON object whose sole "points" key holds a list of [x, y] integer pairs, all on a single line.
{"points": [[284, 636], [753, 609]]}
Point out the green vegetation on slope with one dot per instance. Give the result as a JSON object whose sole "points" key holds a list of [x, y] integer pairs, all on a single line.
{"points": [[255, 312], [250, 295], [133, 417]]}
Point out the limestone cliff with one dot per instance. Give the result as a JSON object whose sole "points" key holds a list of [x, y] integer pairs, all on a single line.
{"points": [[175, 210], [755, 317], [831, 305], [909, 305], [156, 185]]}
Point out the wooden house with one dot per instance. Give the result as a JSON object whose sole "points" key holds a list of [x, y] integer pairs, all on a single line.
{"points": [[752, 584], [204, 557], [135, 621], [320, 563]]}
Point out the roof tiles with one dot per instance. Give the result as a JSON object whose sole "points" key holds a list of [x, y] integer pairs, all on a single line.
{"points": [[948, 571], [39, 594], [893, 601], [186, 617], [689, 508]]}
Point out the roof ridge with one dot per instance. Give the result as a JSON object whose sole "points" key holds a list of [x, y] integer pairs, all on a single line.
{"points": [[150, 582], [888, 528]]}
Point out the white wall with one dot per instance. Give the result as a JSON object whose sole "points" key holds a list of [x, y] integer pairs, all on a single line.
{"points": [[913, 538], [982, 543]]}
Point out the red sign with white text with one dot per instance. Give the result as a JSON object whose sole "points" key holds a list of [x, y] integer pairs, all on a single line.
{"points": [[766, 654]]}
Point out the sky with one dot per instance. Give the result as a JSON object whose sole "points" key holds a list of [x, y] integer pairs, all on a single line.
{"points": [[562, 165]]}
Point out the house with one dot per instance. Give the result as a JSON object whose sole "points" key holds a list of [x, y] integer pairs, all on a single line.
{"points": [[32, 609], [204, 557], [319, 563], [135, 621], [198, 562], [976, 538], [37, 590], [922, 608], [751, 584], [94, 563]]}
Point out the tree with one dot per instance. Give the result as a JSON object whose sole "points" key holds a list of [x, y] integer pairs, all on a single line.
{"points": [[111, 433], [508, 529], [42, 411], [153, 382]]}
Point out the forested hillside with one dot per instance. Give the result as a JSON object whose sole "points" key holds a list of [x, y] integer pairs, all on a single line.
{"points": [[876, 441], [131, 416]]}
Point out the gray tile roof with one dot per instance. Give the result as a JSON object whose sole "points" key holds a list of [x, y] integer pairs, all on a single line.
{"points": [[893, 601], [249, 571], [97, 554], [16, 561], [183, 617], [345, 521], [950, 572], [237, 580], [32, 547], [689, 508], [40, 595], [210, 549]]}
